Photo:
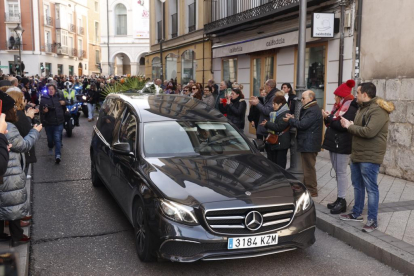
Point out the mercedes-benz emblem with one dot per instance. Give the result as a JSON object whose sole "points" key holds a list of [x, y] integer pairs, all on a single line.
{"points": [[253, 220], [248, 193]]}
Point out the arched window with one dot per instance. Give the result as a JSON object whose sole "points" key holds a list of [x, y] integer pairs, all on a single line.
{"points": [[121, 19], [171, 66], [156, 68], [187, 66]]}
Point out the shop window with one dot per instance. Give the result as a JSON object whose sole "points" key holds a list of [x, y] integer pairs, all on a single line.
{"points": [[171, 66], [71, 70], [60, 69], [230, 69], [156, 68], [187, 66], [315, 73]]}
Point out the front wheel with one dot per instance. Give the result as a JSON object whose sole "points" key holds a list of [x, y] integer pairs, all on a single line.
{"points": [[85, 110], [144, 244]]}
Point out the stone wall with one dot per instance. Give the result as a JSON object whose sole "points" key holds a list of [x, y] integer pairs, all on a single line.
{"points": [[399, 158]]}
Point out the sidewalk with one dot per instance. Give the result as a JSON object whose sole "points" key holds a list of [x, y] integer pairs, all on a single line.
{"points": [[393, 242]]}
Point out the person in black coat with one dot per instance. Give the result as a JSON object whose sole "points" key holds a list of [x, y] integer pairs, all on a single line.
{"points": [[92, 97], [235, 108], [309, 137], [290, 96], [4, 146], [338, 141], [277, 153], [254, 113]]}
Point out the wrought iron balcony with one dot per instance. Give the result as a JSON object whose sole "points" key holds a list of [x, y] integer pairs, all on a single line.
{"points": [[48, 21], [49, 48], [81, 30], [226, 14], [72, 28], [81, 54], [73, 52], [12, 17], [174, 25], [12, 45], [62, 50]]}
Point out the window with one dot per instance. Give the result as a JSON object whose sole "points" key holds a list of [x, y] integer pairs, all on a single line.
{"points": [[97, 58], [159, 31], [71, 70], [156, 68], [173, 6], [48, 67], [60, 69], [14, 9], [230, 69], [171, 66], [96, 32], [96, 6], [192, 17], [121, 19], [187, 66], [315, 72], [128, 131], [80, 46]]}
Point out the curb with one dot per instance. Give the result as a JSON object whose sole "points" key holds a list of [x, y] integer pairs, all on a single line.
{"points": [[386, 249]]}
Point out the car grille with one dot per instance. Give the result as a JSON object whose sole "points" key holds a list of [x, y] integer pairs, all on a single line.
{"points": [[232, 221]]}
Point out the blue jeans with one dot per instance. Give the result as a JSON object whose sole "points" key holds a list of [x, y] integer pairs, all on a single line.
{"points": [[365, 176], [91, 109], [54, 137]]}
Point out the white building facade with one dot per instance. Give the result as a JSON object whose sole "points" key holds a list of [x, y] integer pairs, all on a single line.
{"points": [[124, 36]]}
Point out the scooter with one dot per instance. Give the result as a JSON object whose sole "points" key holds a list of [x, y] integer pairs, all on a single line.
{"points": [[82, 99]]}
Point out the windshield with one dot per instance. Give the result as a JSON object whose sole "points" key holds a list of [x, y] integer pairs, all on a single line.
{"points": [[192, 138]]}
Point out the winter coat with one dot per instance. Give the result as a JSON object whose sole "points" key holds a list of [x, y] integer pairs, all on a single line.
{"points": [[236, 112], [221, 95], [265, 110], [4, 155], [56, 116], [209, 100], [309, 127], [278, 126], [14, 203], [92, 96], [291, 103], [24, 126], [337, 138], [370, 130], [254, 114]]}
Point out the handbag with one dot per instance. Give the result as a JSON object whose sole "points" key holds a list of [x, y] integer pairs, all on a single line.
{"points": [[274, 138]]}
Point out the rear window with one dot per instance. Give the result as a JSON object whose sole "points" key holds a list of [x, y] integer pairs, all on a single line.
{"points": [[192, 138]]}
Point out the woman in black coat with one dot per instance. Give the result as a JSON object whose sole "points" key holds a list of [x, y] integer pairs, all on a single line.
{"points": [[290, 96], [338, 141], [235, 108], [254, 113], [277, 153]]}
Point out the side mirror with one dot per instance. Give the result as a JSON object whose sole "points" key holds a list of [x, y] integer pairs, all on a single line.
{"points": [[122, 148], [259, 144]]}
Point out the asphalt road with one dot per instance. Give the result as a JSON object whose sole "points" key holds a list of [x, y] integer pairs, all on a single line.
{"points": [[80, 230]]}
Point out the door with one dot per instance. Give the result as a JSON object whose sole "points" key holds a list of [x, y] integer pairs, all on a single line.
{"points": [[263, 67], [125, 164]]}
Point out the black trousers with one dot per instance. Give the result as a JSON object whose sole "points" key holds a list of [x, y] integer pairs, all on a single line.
{"points": [[16, 231], [277, 156]]}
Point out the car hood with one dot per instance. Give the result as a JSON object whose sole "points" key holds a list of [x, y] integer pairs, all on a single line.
{"points": [[202, 179]]}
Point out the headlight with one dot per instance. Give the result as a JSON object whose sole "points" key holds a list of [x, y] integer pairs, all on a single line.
{"points": [[303, 203], [178, 212], [73, 108], [67, 109], [84, 97]]}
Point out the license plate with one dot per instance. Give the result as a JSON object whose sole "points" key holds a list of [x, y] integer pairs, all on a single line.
{"points": [[250, 242]]}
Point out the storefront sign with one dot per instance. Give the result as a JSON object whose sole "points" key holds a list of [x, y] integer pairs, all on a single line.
{"points": [[323, 24], [142, 20]]}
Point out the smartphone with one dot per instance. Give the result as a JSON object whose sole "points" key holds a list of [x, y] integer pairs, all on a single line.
{"points": [[1, 106]]}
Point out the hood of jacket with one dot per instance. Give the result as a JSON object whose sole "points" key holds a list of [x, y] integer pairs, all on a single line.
{"points": [[387, 106]]}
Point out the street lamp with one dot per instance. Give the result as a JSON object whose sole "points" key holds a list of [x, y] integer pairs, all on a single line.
{"points": [[19, 32], [162, 39]]}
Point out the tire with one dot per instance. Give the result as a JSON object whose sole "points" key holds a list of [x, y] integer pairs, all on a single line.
{"points": [[69, 128], [144, 244], [96, 181], [85, 110]]}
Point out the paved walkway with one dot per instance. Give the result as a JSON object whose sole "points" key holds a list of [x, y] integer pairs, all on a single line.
{"points": [[396, 208]]}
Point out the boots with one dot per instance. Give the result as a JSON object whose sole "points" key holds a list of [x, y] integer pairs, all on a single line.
{"points": [[331, 205], [340, 207]]}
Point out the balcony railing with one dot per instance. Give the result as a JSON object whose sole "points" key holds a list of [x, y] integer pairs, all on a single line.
{"points": [[12, 17], [81, 54], [63, 50], [49, 48], [72, 28], [12, 46], [73, 52], [48, 21], [227, 13], [174, 25], [191, 18], [81, 30]]}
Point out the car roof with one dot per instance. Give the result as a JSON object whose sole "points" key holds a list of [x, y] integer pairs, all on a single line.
{"points": [[166, 107]]}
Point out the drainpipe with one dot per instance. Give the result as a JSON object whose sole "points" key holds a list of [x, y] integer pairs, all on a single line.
{"points": [[203, 61], [341, 43], [295, 157], [107, 34], [358, 44], [31, 29]]}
